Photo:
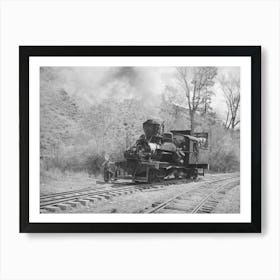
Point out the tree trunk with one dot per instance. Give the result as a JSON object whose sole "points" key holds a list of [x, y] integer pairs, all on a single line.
{"points": [[192, 121], [233, 123]]}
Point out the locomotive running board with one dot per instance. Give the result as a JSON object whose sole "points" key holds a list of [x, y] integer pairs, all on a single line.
{"points": [[199, 165]]}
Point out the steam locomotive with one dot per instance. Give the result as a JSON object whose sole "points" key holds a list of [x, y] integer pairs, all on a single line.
{"points": [[157, 155]]}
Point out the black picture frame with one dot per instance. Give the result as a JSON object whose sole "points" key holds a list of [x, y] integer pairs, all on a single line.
{"points": [[25, 52]]}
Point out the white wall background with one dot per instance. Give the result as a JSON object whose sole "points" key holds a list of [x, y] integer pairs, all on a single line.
{"points": [[147, 256]]}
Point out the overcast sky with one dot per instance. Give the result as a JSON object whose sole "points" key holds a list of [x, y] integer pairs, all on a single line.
{"points": [[144, 83]]}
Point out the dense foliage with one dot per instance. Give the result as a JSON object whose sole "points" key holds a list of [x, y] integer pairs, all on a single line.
{"points": [[76, 134]]}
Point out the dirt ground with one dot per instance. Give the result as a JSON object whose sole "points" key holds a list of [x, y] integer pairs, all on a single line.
{"points": [[138, 202], [60, 182], [230, 203]]}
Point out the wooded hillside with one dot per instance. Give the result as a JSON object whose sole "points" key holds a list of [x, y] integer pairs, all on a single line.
{"points": [[75, 134]]}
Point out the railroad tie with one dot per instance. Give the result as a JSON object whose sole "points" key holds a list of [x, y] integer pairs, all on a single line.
{"points": [[115, 193], [106, 196], [99, 197], [124, 192], [92, 199], [73, 203], [168, 211], [63, 206], [84, 202], [52, 209], [177, 206]]}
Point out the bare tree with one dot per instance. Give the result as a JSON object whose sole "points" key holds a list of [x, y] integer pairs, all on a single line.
{"points": [[196, 83], [231, 89]]}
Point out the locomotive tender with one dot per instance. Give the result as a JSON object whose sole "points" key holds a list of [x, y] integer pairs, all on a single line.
{"points": [[158, 154]]}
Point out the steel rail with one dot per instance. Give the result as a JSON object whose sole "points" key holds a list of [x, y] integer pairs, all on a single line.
{"points": [[90, 191], [206, 198], [70, 196], [165, 203], [84, 195]]}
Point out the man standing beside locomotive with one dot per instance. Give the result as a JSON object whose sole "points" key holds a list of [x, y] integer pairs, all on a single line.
{"points": [[109, 169]]}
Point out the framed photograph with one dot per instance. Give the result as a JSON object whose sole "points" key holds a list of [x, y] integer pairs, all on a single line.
{"points": [[140, 139]]}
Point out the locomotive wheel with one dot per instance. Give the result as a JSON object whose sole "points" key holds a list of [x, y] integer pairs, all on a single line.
{"points": [[154, 176], [176, 174], [194, 174], [151, 176]]}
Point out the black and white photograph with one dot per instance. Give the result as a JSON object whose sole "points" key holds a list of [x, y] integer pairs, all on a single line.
{"points": [[152, 140], [139, 138]]}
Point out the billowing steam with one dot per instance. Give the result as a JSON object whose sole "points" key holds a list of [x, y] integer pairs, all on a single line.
{"points": [[94, 84]]}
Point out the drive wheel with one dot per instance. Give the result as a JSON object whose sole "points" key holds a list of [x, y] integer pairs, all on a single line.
{"points": [[194, 174], [154, 176]]}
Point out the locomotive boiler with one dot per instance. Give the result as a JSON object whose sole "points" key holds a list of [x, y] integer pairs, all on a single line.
{"points": [[157, 155]]}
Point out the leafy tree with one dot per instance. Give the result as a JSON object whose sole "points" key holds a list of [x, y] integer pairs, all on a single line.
{"points": [[196, 84], [231, 89]]}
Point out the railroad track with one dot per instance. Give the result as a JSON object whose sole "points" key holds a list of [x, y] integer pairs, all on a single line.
{"points": [[202, 199], [62, 201], [65, 200]]}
